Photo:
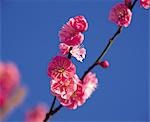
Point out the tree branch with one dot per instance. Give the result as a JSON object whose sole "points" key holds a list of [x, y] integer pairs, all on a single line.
{"points": [[109, 44], [50, 111]]}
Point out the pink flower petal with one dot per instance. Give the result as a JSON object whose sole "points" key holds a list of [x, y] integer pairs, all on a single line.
{"points": [[78, 52], [64, 88], [61, 68], [75, 100], [89, 83]]}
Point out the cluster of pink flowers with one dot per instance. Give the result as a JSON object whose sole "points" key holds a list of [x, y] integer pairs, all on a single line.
{"points": [[65, 84], [36, 114], [71, 36], [11, 91]]}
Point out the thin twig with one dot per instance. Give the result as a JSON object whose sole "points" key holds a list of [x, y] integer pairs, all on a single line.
{"points": [[133, 4], [56, 109], [110, 42], [69, 55], [50, 111]]}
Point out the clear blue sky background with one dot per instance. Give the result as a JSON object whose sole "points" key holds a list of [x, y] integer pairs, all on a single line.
{"points": [[29, 30]]}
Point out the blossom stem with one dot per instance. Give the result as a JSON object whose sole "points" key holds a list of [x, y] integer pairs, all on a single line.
{"points": [[50, 111], [111, 40], [133, 4], [69, 55], [56, 109]]}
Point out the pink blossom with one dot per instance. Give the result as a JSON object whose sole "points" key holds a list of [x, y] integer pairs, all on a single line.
{"points": [[89, 83], [9, 76], [36, 114], [145, 3], [121, 15], [77, 51], [2, 100], [64, 88], [79, 23], [75, 100], [64, 48], [61, 68], [70, 36]]}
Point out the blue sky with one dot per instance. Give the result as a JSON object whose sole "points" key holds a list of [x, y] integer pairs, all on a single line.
{"points": [[29, 37]]}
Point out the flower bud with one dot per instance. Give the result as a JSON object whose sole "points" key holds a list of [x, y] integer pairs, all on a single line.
{"points": [[104, 64]]}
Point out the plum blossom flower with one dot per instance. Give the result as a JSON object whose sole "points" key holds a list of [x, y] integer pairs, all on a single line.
{"points": [[89, 84], [75, 100], [79, 23], [145, 3], [9, 76], [77, 51], [71, 32], [61, 68], [36, 114], [64, 88], [121, 15], [70, 36]]}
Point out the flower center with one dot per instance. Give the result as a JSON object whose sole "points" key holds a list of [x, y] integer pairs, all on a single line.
{"points": [[61, 70], [74, 95]]}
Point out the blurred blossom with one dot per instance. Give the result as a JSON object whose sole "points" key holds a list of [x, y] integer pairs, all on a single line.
{"points": [[121, 15], [11, 91], [9, 77], [145, 3], [36, 114]]}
